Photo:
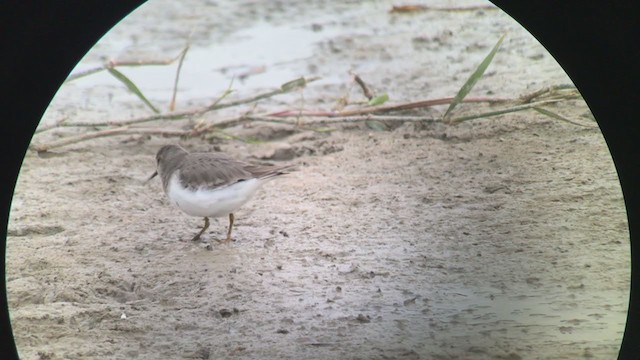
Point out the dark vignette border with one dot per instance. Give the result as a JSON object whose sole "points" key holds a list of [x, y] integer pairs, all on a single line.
{"points": [[594, 42], [40, 43]]}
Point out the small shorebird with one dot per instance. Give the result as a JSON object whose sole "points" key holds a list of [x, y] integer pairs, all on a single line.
{"points": [[210, 184]]}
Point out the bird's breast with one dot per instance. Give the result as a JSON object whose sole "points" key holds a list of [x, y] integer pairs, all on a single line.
{"points": [[207, 202]]}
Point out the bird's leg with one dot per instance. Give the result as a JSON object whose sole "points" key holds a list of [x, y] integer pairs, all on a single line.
{"points": [[204, 228], [231, 219]]}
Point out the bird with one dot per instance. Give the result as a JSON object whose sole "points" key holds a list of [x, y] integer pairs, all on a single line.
{"points": [[210, 184]]}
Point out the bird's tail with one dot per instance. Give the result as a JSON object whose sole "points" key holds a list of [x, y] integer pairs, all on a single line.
{"points": [[269, 171]]}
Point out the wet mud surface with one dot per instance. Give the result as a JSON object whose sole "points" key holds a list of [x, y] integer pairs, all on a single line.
{"points": [[500, 238]]}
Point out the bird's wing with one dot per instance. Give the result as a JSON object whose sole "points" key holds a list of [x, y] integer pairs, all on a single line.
{"points": [[267, 171], [212, 170]]}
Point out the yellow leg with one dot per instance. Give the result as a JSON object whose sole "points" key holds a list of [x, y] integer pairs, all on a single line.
{"points": [[204, 228], [231, 219]]}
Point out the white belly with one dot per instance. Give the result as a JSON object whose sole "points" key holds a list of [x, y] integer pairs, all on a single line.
{"points": [[211, 203]]}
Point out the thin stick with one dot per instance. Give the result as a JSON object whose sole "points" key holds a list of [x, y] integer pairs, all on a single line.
{"points": [[416, 8], [318, 120], [550, 91], [125, 130], [114, 63], [502, 111], [561, 118], [335, 119], [172, 104], [282, 90], [365, 89], [311, 117], [180, 114], [226, 93], [52, 126], [388, 108], [343, 101]]}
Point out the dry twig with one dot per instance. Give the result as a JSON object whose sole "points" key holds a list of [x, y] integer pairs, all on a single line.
{"points": [[180, 114], [365, 89], [183, 54], [319, 117], [125, 130]]}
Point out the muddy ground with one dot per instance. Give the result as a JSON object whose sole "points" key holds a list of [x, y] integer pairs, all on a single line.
{"points": [[500, 238]]}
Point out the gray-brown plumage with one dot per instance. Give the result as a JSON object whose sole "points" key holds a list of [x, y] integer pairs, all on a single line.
{"points": [[210, 184]]}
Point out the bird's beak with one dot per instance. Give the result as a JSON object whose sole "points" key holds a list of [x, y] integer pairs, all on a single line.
{"points": [[151, 177]]}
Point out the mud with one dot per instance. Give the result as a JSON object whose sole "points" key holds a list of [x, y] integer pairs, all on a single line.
{"points": [[501, 238]]}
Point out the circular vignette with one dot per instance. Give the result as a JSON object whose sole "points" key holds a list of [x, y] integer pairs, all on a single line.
{"points": [[594, 44], [41, 43]]}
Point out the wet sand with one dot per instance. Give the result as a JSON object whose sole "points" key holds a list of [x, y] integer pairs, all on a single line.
{"points": [[498, 238]]}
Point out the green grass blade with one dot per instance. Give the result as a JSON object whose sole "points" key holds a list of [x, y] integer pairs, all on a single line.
{"points": [[501, 111], [83, 74], [488, 114], [293, 84], [473, 79], [322, 129], [532, 106], [376, 125], [557, 116], [172, 104], [132, 87], [379, 100]]}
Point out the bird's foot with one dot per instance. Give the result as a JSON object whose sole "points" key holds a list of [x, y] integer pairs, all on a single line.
{"points": [[226, 241]]}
